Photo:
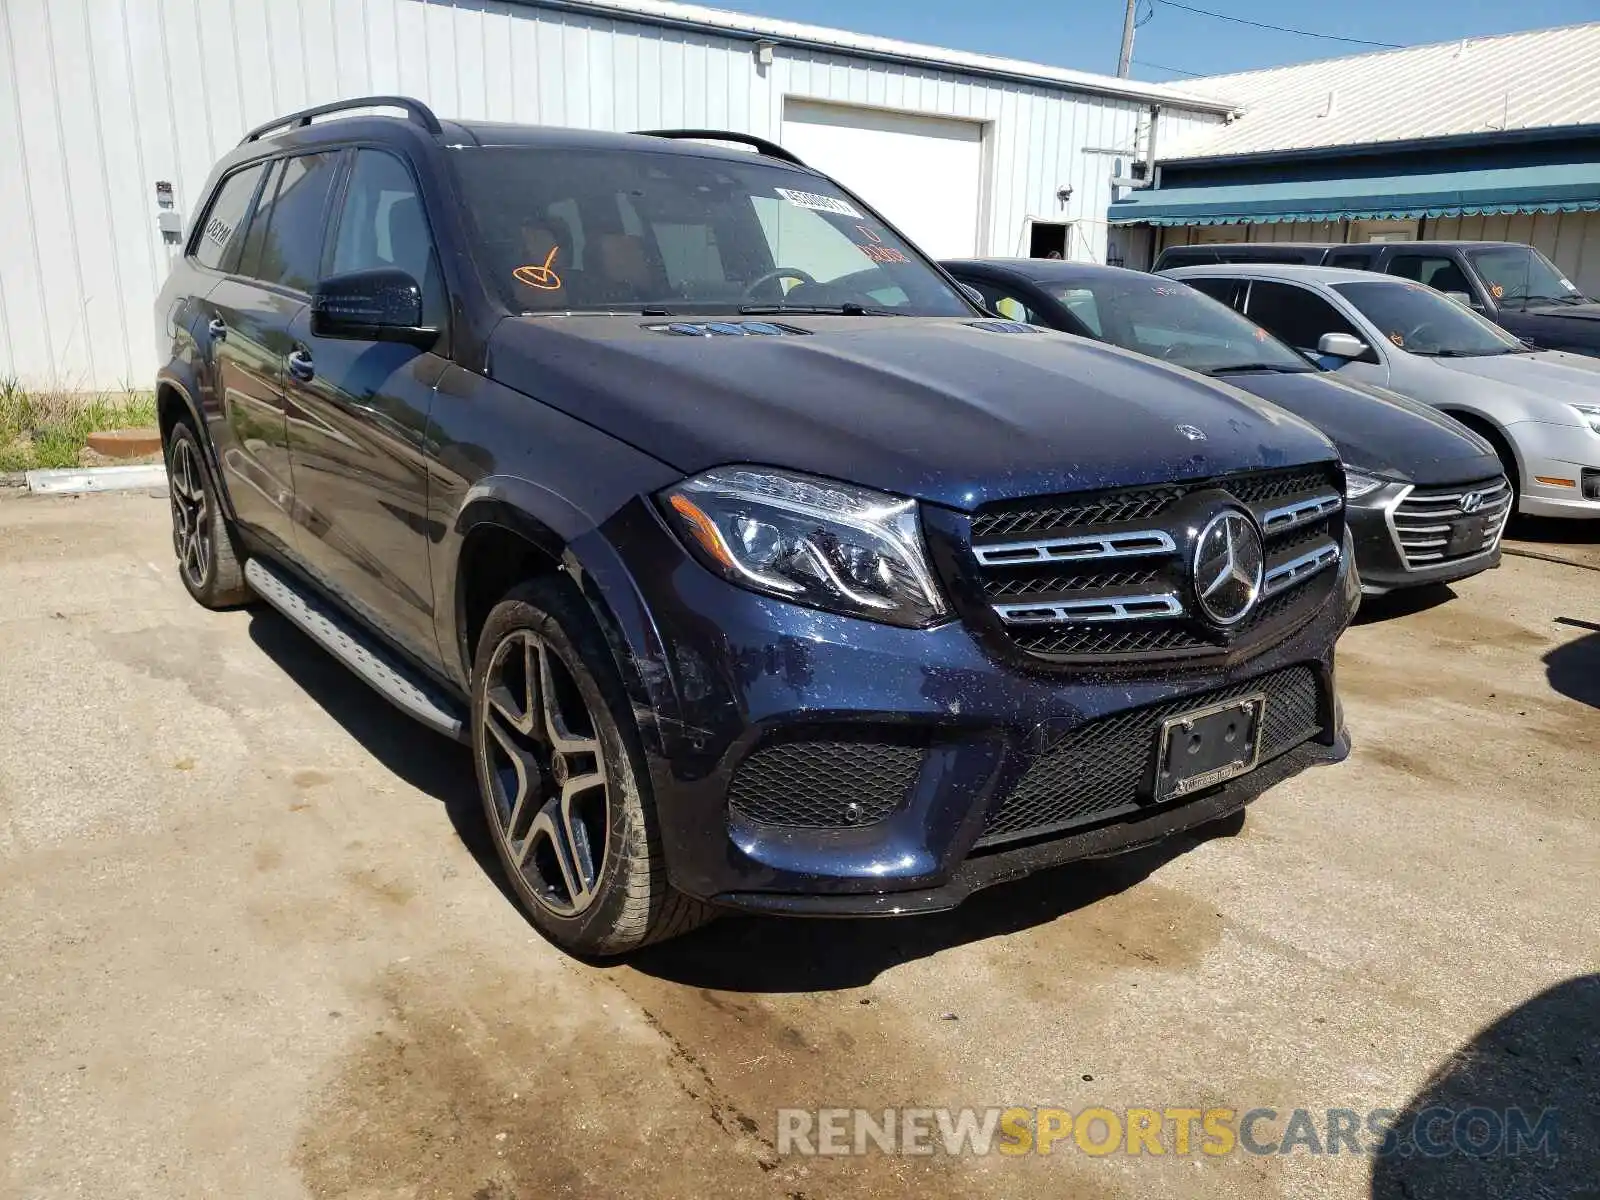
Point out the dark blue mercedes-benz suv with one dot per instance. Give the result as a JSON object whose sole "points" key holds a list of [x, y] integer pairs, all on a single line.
{"points": [[758, 567]]}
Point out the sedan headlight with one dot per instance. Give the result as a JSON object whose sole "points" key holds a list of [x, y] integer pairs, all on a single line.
{"points": [[1590, 413], [1357, 485], [829, 545]]}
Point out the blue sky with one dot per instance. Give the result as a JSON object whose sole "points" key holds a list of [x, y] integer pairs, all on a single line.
{"points": [[1085, 34]]}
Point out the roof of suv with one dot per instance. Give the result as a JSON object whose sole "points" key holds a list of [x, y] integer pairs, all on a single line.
{"points": [[1297, 272], [455, 134]]}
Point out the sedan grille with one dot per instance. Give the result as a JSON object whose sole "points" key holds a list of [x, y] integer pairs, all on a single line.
{"points": [[1105, 576], [1436, 525]]}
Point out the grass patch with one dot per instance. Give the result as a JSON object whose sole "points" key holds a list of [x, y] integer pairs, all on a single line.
{"points": [[49, 429]]}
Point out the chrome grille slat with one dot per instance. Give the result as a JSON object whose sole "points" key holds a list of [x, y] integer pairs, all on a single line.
{"points": [[1299, 569], [1078, 548], [1102, 608], [1302, 512]]}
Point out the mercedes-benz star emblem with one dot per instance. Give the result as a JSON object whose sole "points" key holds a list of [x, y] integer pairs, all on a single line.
{"points": [[1193, 432], [1471, 502], [1228, 563]]}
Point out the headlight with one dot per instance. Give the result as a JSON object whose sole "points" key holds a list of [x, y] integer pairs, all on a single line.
{"points": [[1357, 485], [1590, 414], [830, 545]]}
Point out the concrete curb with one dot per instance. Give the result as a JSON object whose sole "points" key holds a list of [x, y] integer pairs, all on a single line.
{"points": [[1546, 556], [73, 480]]}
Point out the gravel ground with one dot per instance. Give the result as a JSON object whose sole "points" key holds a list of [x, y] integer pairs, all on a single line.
{"points": [[251, 942]]}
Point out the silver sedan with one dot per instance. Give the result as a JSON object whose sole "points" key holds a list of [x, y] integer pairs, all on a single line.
{"points": [[1540, 408]]}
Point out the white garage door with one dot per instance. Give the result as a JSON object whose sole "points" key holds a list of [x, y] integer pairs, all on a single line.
{"points": [[924, 173]]}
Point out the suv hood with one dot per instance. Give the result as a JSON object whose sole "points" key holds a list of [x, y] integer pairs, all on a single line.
{"points": [[1589, 311], [946, 410], [1376, 430]]}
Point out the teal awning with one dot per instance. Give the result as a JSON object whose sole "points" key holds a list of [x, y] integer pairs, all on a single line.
{"points": [[1551, 187]]}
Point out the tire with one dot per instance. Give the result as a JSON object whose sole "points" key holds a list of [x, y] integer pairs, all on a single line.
{"points": [[209, 561], [542, 679]]}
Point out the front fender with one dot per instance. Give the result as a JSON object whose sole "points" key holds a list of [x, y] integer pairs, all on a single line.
{"points": [[570, 539]]}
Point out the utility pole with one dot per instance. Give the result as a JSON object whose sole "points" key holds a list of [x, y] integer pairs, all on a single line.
{"points": [[1126, 58]]}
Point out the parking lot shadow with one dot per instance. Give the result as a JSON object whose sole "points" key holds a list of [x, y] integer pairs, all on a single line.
{"points": [[1574, 668], [795, 954], [427, 761], [736, 953], [1539, 1059], [1403, 603]]}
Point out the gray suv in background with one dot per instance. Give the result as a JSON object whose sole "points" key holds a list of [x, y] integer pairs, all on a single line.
{"points": [[1512, 284], [1539, 408]]}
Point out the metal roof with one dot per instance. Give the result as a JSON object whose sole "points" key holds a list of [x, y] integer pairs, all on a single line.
{"points": [[1548, 187], [1542, 78], [817, 37]]}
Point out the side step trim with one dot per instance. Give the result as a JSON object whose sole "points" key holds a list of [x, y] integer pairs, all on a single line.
{"points": [[375, 666]]}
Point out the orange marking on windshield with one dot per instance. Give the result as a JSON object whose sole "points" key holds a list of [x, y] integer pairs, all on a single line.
{"points": [[544, 277]]}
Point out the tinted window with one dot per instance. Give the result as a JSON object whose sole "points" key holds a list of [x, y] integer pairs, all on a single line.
{"points": [[1005, 302], [1354, 259], [382, 223], [1435, 270], [217, 244], [616, 230], [285, 241], [1421, 321], [1297, 315], [1168, 320], [1217, 289]]}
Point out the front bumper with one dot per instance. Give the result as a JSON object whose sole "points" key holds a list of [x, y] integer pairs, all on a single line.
{"points": [[1381, 560], [729, 672], [1557, 452]]}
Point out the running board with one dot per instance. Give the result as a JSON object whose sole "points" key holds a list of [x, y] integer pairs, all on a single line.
{"points": [[375, 666]]}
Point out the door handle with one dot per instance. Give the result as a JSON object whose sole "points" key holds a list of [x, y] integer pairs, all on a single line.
{"points": [[300, 364], [218, 329]]}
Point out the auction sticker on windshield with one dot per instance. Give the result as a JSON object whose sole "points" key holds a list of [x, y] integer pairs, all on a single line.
{"points": [[830, 204]]}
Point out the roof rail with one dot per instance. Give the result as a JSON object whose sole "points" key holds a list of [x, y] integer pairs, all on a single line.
{"points": [[418, 112], [770, 149]]}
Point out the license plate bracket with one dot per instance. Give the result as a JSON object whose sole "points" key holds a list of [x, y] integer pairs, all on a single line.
{"points": [[1209, 745]]}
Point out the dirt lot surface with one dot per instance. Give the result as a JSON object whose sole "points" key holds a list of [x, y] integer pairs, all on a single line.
{"points": [[250, 943]]}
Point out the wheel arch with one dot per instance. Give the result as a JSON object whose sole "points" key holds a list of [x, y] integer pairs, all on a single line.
{"points": [[509, 531], [1493, 432], [175, 402]]}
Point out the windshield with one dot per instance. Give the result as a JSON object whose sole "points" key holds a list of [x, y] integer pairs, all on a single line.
{"points": [[565, 230], [1422, 321], [1521, 275], [1173, 322]]}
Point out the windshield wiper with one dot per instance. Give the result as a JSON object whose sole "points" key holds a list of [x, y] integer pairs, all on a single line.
{"points": [[1245, 368], [848, 309]]}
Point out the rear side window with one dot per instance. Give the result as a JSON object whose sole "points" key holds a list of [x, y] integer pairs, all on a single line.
{"points": [[1354, 259], [1435, 270], [1297, 315], [284, 245], [217, 244]]}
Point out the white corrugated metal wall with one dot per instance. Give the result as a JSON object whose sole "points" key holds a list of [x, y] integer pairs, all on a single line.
{"points": [[101, 98]]}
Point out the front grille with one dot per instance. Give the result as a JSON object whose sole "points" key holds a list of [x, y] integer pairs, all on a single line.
{"points": [[1104, 768], [824, 784], [1430, 526], [1103, 577]]}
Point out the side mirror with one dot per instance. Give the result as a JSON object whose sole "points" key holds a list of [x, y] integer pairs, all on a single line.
{"points": [[973, 294], [1460, 298], [1341, 345], [380, 305]]}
